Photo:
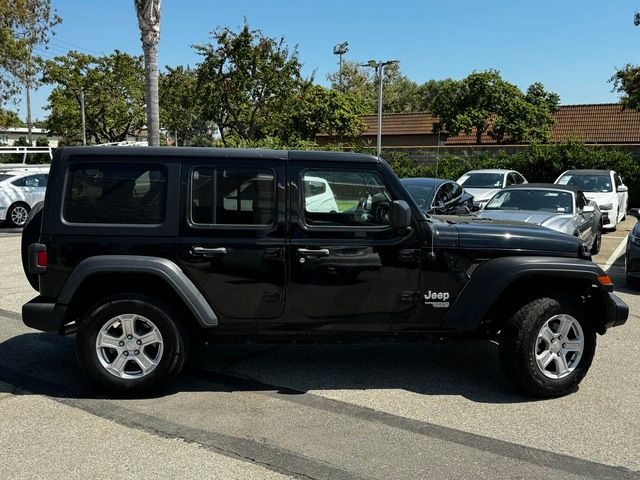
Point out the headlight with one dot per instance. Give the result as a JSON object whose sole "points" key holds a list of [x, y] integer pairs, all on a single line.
{"points": [[606, 206], [633, 239]]}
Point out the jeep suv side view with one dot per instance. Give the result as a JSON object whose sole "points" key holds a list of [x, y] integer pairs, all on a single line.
{"points": [[142, 250]]}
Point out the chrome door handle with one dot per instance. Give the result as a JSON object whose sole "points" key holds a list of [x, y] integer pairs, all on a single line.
{"points": [[321, 252], [208, 251]]}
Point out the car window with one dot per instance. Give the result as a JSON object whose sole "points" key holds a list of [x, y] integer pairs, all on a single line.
{"points": [[597, 182], [532, 200], [617, 180], [444, 195], [421, 193], [511, 179], [348, 198], [581, 201], [115, 193], [482, 180], [37, 181], [519, 178], [232, 196], [456, 190]]}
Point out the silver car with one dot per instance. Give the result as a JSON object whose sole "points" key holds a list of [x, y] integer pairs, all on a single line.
{"points": [[560, 207]]}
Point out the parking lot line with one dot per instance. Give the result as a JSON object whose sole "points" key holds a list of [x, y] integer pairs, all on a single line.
{"points": [[616, 254]]}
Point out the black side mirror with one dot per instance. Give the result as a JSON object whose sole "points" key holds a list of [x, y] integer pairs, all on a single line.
{"points": [[399, 214], [634, 212]]}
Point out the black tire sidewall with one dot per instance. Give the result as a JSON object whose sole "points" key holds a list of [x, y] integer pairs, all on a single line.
{"points": [[10, 211], [174, 344], [519, 338]]}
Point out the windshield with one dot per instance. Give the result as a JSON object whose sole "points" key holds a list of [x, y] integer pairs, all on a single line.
{"points": [[421, 194], [482, 180], [599, 182], [536, 200]]}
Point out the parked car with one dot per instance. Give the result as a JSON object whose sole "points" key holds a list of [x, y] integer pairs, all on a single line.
{"points": [[605, 187], [118, 258], [484, 184], [19, 191], [632, 256], [434, 195], [559, 207]]}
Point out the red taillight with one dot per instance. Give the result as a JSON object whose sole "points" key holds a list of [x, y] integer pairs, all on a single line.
{"points": [[43, 258]]}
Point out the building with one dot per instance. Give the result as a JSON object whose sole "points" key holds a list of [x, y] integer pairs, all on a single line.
{"points": [[606, 123], [8, 136]]}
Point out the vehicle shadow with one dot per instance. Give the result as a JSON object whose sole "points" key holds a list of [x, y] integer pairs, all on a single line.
{"points": [[46, 364]]}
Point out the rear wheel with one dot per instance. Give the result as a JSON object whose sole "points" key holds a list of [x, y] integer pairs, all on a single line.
{"points": [[547, 346], [17, 214], [131, 344]]}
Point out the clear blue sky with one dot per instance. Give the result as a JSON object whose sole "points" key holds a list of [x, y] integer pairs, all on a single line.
{"points": [[572, 46]]}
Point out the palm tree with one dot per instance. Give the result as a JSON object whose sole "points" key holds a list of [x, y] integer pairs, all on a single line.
{"points": [[148, 12]]}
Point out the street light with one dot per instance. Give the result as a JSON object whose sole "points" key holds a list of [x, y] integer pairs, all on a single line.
{"points": [[340, 50], [379, 68]]}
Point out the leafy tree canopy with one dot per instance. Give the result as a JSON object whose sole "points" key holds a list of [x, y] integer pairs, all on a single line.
{"points": [[484, 103], [9, 118], [113, 88], [626, 82]]}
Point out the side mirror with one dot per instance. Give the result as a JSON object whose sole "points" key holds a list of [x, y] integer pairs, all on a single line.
{"points": [[399, 214], [622, 189], [588, 209], [634, 212]]}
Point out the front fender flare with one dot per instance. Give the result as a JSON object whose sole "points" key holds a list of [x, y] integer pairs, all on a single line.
{"points": [[492, 278], [163, 268]]}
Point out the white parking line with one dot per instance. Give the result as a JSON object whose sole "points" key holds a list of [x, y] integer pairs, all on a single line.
{"points": [[616, 253]]}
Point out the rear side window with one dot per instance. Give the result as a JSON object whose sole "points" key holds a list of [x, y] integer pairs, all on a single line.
{"points": [[232, 196], [116, 193]]}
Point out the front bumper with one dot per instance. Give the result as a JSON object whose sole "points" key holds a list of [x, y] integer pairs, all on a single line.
{"points": [[616, 311], [44, 314], [608, 219]]}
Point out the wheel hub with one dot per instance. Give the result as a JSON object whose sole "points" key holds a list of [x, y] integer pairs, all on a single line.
{"points": [[559, 346]]}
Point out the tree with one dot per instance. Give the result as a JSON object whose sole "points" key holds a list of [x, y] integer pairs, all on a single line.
{"points": [[328, 111], [114, 93], [248, 83], [400, 94], [9, 118], [24, 26], [148, 12], [180, 106], [484, 103], [626, 82]]}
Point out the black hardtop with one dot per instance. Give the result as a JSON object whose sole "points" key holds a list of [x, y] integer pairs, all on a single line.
{"points": [[545, 186], [144, 153], [587, 171]]}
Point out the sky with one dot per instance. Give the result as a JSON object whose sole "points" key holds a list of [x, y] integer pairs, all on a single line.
{"points": [[572, 46]]}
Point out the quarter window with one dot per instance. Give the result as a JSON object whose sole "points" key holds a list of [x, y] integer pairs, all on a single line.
{"points": [[345, 198], [232, 196], [116, 193]]}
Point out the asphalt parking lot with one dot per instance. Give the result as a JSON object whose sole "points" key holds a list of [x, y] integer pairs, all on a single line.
{"points": [[341, 411]]}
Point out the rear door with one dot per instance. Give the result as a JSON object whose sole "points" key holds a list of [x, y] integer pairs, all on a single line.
{"points": [[349, 270], [232, 236]]}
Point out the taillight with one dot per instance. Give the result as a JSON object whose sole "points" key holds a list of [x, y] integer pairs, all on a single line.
{"points": [[38, 258]]}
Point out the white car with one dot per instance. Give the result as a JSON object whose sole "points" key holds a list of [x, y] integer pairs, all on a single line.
{"points": [[605, 187], [19, 191], [484, 184], [319, 197]]}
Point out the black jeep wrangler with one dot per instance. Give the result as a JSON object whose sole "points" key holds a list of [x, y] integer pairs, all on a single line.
{"points": [[142, 250]]}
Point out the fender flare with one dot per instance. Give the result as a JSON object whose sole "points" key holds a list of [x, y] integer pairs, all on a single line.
{"points": [[492, 278], [163, 268]]}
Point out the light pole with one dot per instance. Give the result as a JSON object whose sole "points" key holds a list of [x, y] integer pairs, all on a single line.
{"points": [[379, 68], [340, 50]]}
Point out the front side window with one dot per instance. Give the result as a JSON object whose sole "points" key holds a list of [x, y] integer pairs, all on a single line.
{"points": [[345, 198], [116, 193], [232, 196]]}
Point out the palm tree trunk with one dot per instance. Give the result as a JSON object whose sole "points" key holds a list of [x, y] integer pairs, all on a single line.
{"points": [[151, 91]]}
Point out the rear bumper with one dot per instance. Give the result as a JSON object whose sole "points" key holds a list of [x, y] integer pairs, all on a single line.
{"points": [[616, 310], [44, 315]]}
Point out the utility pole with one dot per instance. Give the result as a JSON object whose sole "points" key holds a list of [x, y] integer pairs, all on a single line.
{"points": [[340, 50], [29, 125], [84, 127], [379, 69]]}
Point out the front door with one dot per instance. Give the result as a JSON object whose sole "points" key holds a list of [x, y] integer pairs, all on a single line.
{"points": [[349, 270], [232, 238]]}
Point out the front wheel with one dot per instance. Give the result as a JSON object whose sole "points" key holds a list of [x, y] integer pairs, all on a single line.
{"points": [[17, 215], [547, 346], [131, 344]]}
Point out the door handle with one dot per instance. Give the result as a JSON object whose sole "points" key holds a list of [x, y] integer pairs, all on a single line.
{"points": [[320, 252], [208, 252]]}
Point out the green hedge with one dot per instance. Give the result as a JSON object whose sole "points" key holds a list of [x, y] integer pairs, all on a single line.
{"points": [[538, 163]]}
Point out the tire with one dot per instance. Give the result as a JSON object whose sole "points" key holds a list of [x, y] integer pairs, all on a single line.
{"points": [[169, 353], [597, 243], [31, 234], [519, 342], [17, 215]]}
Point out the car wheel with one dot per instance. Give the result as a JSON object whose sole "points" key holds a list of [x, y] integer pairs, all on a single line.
{"points": [[547, 346], [597, 243], [17, 214], [131, 344]]}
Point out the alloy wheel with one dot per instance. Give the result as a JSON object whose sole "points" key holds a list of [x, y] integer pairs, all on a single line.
{"points": [[19, 215], [559, 346]]}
